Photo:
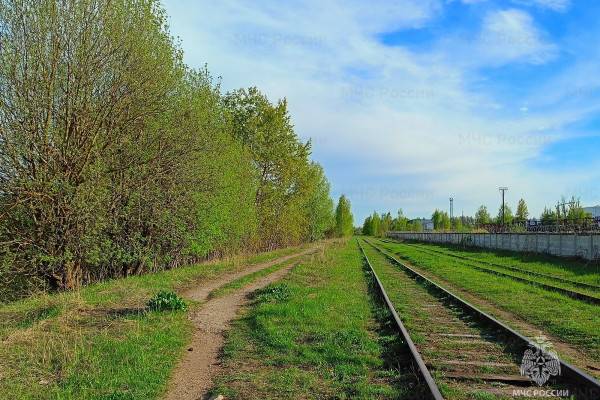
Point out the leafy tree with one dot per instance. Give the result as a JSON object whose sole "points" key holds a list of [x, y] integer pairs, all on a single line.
{"points": [[77, 124], [482, 216], [446, 223], [522, 212], [436, 217], [367, 228], [400, 223], [386, 224], [319, 208], [375, 224], [468, 222], [441, 220], [457, 225], [508, 215], [415, 226], [548, 216], [570, 212], [278, 155], [344, 221], [576, 213], [117, 159]]}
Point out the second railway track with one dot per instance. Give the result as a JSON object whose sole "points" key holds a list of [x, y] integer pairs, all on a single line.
{"points": [[469, 353], [479, 265], [570, 282]]}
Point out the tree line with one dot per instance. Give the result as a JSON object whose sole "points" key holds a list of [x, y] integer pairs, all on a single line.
{"points": [[376, 225], [116, 158], [570, 212], [566, 212]]}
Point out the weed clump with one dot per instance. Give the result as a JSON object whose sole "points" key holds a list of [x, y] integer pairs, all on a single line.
{"points": [[166, 301], [273, 293]]}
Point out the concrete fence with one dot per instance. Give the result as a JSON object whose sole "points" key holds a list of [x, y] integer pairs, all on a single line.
{"points": [[586, 246]]}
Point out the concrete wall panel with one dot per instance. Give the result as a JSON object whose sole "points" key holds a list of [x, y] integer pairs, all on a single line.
{"points": [[563, 245]]}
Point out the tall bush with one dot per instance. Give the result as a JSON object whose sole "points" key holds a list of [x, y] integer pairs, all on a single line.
{"points": [[117, 159]]}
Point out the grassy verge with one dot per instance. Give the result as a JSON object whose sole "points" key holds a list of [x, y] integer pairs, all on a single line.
{"points": [[492, 267], [313, 335], [576, 270], [245, 280], [99, 343], [571, 320]]}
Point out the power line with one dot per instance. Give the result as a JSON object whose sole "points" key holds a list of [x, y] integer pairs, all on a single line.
{"points": [[563, 204]]}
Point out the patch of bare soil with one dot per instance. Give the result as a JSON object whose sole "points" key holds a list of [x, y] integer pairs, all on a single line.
{"points": [[192, 378], [201, 292]]}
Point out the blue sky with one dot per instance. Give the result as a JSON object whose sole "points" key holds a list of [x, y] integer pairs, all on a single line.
{"points": [[409, 102]]}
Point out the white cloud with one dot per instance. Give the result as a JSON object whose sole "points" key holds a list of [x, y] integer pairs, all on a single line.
{"points": [[383, 111], [555, 5], [510, 35], [383, 15]]}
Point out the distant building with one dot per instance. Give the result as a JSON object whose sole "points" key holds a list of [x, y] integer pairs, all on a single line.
{"points": [[427, 224], [595, 211]]}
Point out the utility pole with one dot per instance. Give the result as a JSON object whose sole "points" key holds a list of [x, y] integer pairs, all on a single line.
{"points": [[503, 189], [451, 208]]}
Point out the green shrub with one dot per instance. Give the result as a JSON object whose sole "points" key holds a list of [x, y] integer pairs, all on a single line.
{"points": [[280, 292], [166, 301]]}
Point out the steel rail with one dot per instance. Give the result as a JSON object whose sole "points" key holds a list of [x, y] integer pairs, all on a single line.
{"points": [[570, 293], [582, 285], [585, 385], [434, 390]]}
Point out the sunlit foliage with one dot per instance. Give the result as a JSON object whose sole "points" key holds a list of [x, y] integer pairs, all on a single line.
{"points": [[118, 159]]}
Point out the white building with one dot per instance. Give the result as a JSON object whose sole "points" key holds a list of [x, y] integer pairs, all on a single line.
{"points": [[595, 211]]}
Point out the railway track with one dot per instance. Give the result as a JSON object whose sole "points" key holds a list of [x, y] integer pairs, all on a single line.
{"points": [[557, 279], [458, 346], [470, 262]]}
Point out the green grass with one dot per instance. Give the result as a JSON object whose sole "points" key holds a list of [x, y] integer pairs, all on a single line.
{"points": [[576, 270], [571, 320], [494, 267], [409, 299], [245, 280], [313, 335], [99, 342]]}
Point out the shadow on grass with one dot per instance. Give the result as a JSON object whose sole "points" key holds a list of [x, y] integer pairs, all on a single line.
{"points": [[10, 321]]}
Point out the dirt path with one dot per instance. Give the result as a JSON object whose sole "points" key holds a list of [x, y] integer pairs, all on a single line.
{"points": [[201, 292], [193, 376]]}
